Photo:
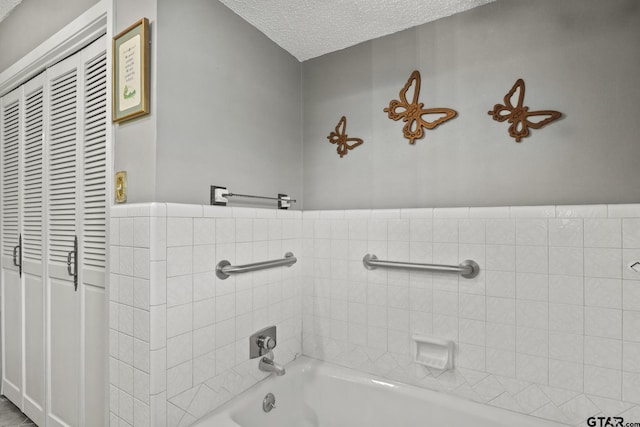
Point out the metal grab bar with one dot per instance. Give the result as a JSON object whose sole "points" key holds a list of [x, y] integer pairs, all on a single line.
{"points": [[467, 269], [224, 268]]}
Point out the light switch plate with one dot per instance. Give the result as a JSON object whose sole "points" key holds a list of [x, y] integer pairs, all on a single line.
{"points": [[121, 187]]}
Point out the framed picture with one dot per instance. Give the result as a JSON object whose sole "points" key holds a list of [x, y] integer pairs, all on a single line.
{"points": [[131, 72]]}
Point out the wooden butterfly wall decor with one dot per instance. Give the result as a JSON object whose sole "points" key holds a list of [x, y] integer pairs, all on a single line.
{"points": [[413, 113], [340, 137], [518, 115]]}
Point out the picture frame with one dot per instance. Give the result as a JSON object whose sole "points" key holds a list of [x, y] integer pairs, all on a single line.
{"points": [[130, 79]]}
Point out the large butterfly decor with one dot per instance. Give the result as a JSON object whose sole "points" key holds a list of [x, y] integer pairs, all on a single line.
{"points": [[416, 117], [341, 138], [518, 115]]}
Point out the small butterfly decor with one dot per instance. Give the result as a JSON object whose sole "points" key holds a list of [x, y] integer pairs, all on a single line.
{"points": [[519, 116], [413, 113], [341, 138]]}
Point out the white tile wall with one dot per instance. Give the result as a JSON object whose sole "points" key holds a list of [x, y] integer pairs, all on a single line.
{"points": [[178, 334], [550, 327]]}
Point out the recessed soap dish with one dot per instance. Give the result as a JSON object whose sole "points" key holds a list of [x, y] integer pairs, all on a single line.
{"points": [[433, 352]]}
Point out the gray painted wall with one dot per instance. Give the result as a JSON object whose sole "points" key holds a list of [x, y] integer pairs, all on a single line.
{"points": [[229, 106], [135, 140], [32, 22], [578, 57]]}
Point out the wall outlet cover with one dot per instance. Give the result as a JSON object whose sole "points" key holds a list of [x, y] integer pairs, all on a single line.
{"points": [[121, 187]]}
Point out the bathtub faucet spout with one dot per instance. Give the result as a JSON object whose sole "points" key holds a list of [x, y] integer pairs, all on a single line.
{"points": [[267, 364]]}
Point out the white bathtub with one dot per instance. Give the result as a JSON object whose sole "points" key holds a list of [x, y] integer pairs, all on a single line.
{"points": [[319, 394]]}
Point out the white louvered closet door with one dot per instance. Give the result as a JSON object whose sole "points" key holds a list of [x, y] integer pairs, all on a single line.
{"points": [[22, 248], [76, 230], [32, 213], [11, 130], [93, 236]]}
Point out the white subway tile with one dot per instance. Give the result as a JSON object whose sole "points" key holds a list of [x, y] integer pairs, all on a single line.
{"points": [[457, 213], [500, 258], [630, 359], [490, 212], [532, 368], [179, 319], [472, 306], [352, 214], [631, 325], [179, 349], [501, 336], [532, 232], [566, 347], [339, 229], [581, 211], [424, 213], [158, 209], [532, 259], [114, 231], [631, 295], [532, 286], [179, 290], [602, 233], [185, 211], [140, 386], [158, 239], [179, 260], [631, 233], [501, 362], [533, 342], [566, 261], [566, 232], [179, 379], [126, 232], [602, 382], [602, 262], [603, 322], [179, 232], [158, 327], [126, 261], [141, 232], [566, 289], [125, 406], [532, 314], [567, 375], [472, 231], [158, 283], [631, 387], [204, 231], [141, 324], [501, 310], [533, 211], [141, 263], [204, 313], [139, 209], [600, 292], [566, 318], [624, 211], [603, 352], [500, 232]]}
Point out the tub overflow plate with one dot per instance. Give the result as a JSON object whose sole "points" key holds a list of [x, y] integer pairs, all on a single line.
{"points": [[269, 402]]}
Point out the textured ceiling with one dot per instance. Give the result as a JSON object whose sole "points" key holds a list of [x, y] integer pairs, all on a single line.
{"points": [[310, 28], [6, 6]]}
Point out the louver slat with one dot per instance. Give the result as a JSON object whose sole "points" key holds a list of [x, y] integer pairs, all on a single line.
{"points": [[33, 176], [10, 176], [94, 163], [62, 165]]}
